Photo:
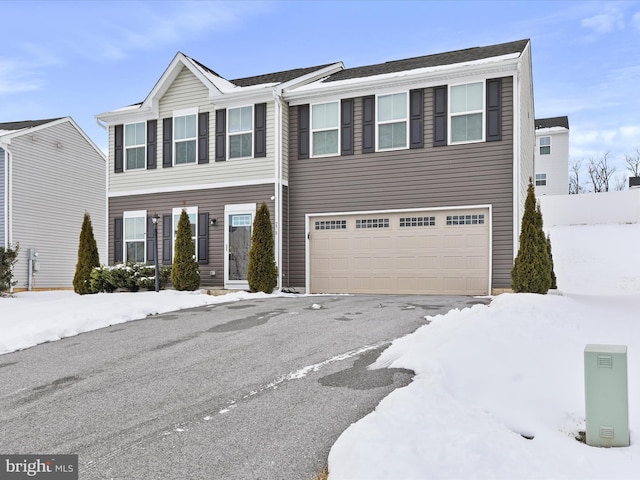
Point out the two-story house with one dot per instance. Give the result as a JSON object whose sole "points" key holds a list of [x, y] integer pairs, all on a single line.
{"points": [[403, 177], [51, 173], [552, 156]]}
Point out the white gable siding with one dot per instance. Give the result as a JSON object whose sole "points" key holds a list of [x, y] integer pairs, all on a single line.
{"points": [[556, 164], [527, 137], [57, 176], [188, 92], [3, 211]]}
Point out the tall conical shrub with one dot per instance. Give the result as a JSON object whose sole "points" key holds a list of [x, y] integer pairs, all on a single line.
{"points": [[531, 271], [88, 258], [262, 273], [185, 274], [554, 280]]}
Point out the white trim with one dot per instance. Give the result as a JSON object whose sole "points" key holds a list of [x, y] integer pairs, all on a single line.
{"points": [[515, 201], [133, 214], [252, 132], [206, 186], [235, 209], [387, 122], [177, 211], [482, 111], [312, 131], [307, 231]]}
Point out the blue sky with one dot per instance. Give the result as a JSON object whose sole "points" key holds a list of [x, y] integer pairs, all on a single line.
{"points": [[81, 58]]}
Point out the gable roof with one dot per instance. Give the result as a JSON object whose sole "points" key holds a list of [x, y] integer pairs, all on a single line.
{"points": [[552, 122], [435, 60], [12, 126], [278, 77]]}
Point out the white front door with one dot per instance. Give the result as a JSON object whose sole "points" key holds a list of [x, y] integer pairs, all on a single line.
{"points": [[237, 242]]}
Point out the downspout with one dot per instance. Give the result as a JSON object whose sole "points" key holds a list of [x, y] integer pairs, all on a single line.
{"points": [[277, 96], [516, 160], [106, 203]]}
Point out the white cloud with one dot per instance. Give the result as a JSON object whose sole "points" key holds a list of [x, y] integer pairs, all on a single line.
{"points": [[605, 22], [635, 21], [24, 72]]}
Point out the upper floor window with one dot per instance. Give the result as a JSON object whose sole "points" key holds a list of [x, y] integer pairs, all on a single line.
{"points": [[545, 145], [541, 179], [324, 129], [135, 230], [192, 212], [466, 107], [392, 119], [240, 132], [185, 137], [135, 145]]}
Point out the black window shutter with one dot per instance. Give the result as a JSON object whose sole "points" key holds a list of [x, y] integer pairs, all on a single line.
{"points": [[167, 142], [346, 124], [368, 124], [260, 130], [494, 110], [119, 150], [416, 118], [117, 240], [303, 131], [440, 116], [150, 236], [167, 240], [152, 141], [203, 238], [203, 137], [221, 134]]}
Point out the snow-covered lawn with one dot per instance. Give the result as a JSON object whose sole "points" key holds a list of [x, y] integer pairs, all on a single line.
{"points": [[485, 376]]}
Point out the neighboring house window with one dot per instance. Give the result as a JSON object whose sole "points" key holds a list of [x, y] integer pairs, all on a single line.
{"points": [[392, 118], [545, 145], [541, 179], [135, 225], [185, 134], [466, 107], [240, 132], [134, 144], [192, 212], [324, 129]]}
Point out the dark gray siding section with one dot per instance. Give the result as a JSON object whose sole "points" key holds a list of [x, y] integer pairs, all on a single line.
{"points": [[2, 195], [211, 201], [457, 175]]}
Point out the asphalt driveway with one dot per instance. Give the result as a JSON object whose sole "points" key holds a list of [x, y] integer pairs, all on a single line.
{"points": [[258, 389]]}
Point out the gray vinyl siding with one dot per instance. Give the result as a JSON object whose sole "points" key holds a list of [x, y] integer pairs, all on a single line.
{"points": [[3, 212], [211, 201], [456, 175], [57, 176]]}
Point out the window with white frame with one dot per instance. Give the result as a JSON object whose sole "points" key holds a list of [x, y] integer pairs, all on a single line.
{"points": [[192, 213], [135, 145], [185, 131], [135, 232], [392, 121], [240, 121], [541, 179], [545, 145], [466, 109], [324, 128]]}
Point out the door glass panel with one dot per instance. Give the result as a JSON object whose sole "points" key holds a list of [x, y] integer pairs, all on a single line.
{"points": [[239, 244]]}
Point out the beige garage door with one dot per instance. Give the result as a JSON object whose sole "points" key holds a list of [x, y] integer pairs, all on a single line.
{"points": [[431, 252]]}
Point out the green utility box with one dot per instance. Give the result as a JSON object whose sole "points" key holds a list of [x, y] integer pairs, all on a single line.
{"points": [[606, 395]]}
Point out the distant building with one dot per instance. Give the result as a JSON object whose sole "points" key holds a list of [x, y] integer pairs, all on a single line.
{"points": [[552, 156]]}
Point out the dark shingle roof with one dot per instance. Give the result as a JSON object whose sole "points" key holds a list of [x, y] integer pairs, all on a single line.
{"points": [[435, 60], [552, 122], [277, 77], [25, 124]]}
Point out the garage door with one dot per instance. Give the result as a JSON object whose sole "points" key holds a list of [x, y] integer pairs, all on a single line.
{"points": [[430, 252]]}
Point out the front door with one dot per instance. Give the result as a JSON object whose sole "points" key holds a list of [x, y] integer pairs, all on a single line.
{"points": [[237, 240]]}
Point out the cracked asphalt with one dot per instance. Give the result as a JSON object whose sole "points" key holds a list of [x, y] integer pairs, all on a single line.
{"points": [[258, 389]]}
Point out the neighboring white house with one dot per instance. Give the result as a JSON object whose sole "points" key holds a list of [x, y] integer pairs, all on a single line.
{"points": [[51, 173], [552, 156]]}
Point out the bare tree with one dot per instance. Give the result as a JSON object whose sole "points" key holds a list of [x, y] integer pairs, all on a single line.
{"points": [[575, 186], [600, 173], [633, 163], [620, 182]]}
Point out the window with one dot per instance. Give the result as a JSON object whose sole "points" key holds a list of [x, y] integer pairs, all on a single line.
{"points": [[466, 107], [417, 221], [135, 230], [331, 225], [324, 129], [392, 121], [240, 131], [541, 179], [465, 219], [373, 223], [185, 137], [545, 145], [134, 144], [192, 212]]}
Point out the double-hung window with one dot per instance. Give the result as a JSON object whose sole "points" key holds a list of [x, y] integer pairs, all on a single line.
{"points": [[135, 230], [135, 145], [392, 119], [240, 131], [541, 179], [466, 107], [545, 145], [192, 212], [324, 129], [185, 136]]}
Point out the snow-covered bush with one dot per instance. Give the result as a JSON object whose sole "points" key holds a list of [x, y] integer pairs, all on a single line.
{"points": [[127, 277]]}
